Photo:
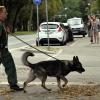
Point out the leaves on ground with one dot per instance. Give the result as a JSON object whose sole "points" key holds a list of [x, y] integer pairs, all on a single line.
{"points": [[79, 90]]}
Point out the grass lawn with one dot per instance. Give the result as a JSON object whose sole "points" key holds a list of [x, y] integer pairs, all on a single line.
{"points": [[24, 32]]}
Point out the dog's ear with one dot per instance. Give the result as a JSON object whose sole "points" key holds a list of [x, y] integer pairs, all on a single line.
{"points": [[74, 58], [77, 58]]}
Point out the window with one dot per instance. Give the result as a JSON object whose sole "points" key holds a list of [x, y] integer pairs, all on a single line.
{"points": [[50, 26]]}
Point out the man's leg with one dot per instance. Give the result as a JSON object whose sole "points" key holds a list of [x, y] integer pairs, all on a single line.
{"points": [[91, 37], [10, 69]]}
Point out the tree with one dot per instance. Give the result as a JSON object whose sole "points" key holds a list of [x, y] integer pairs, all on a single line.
{"points": [[98, 4], [23, 18], [13, 8], [19, 11], [54, 6], [73, 8]]}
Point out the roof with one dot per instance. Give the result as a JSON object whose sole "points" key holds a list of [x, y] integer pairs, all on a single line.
{"points": [[51, 23], [65, 24], [75, 18]]}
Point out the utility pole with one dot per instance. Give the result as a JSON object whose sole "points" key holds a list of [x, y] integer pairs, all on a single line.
{"points": [[37, 2], [46, 3]]}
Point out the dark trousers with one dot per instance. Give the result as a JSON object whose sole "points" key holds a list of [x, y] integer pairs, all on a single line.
{"points": [[8, 62]]}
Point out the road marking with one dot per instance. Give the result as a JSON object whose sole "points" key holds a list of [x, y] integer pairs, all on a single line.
{"points": [[49, 83], [74, 43], [19, 42], [55, 54], [18, 48], [62, 50], [32, 83]]}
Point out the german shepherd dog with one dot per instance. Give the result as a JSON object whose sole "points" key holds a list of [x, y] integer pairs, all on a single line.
{"points": [[52, 68]]}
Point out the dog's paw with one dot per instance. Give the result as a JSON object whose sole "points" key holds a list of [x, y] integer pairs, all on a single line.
{"points": [[61, 89], [63, 85], [49, 90]]}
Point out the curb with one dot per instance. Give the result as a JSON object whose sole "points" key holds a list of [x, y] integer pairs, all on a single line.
{"points": [[50, 83]]}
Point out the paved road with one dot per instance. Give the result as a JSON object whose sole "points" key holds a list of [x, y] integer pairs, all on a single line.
{"points": [[88, 55]]}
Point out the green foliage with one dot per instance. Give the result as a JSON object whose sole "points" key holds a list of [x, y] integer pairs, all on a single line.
{"points": [[53, 7], [95, 6], [73, 8], [25, 13], [24, 32], [21, 10], [98, 5]]}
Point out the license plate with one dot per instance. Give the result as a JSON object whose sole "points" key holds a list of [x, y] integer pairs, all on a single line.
{"points": [[75, 31], [49, 32]]}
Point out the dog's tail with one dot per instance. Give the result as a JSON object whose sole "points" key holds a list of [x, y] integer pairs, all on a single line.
{"points": [[25, 58]]}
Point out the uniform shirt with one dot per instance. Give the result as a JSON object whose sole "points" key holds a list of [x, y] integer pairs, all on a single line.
{"points": [[3, 36]]}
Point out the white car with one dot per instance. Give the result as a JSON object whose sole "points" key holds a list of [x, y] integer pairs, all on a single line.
{"points": [[56, 33], [77, 26]]}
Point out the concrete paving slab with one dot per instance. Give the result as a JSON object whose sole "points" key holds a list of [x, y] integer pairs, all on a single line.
{"points": [[36, 92]]}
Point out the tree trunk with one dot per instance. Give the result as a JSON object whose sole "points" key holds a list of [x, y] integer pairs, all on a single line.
{"points": [[12, 16]]}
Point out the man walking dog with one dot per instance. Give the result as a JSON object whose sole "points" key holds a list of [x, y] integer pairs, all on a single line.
{"points": [[5, 56]]}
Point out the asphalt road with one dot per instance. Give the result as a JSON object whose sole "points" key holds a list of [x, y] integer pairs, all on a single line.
{"points": [[89, 55]]}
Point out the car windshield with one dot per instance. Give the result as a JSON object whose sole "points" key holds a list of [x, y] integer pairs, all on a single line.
{"points": [[74, 21], [50, 26]]}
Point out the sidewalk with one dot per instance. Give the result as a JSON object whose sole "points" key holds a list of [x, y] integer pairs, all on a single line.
{"points": [[36, 92], [82, 91]]}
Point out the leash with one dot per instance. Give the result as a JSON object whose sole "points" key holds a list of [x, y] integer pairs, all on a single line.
{"points": [[33, 47]]}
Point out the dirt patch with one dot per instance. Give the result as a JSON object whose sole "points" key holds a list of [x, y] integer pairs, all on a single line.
{"points": [[80, 90], [71, 91], [4, 91]]}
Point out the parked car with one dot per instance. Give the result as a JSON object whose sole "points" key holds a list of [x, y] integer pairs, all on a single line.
{"points": [[56, 31], [69, 31], [77, 26]]}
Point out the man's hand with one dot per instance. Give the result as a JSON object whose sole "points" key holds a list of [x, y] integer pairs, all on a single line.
{"points": [[8, 29]]}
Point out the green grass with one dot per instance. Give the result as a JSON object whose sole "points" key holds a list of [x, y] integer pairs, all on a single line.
{"points": [[24, 32]]}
